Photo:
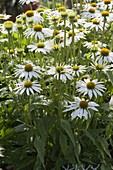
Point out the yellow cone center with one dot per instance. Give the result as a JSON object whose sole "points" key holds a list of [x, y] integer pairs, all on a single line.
{"points": [[96, 21], [61, 8], [37, 27], [59, 69], [99, 67], [8, 25], [27, 84], [70, 33], [105, 13], [40, 45], [92, 10], [93, 4], [104, 52], [29, 13], [107, 1], [75, 68]]}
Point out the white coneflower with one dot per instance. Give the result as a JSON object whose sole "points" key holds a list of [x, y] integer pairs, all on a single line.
{"points": [[94, 43], [96, 24], [105, 4], [81, 108], [27, 71], [7, 27], [77, 70], [77, 36], [39, 32], [61, 72], [90, 87], [100, 66], [28, 87], [34, 16], [4, 16], [106, 55], [43, 47], [89, 13]]}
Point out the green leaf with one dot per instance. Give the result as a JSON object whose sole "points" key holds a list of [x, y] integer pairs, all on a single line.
{"points": [[63, 143], [42, 129], [20, 128], [104, 145], [37, 164], [87, 160], [40, 147], [89, 136], [105, 167], [99, 147], [66, 126], [110, 76], [77, 150]]}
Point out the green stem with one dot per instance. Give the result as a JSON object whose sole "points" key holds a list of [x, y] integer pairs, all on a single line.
{"points": [[53, 3], [72, 4], [64, 53], [48, 4], [29, 110], [65, 3], [103, 33], [30, 5]]}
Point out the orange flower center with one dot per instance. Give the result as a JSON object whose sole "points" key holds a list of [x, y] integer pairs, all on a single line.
{"points": [[104, 52], [37, 27], [105, 13], [70, 33], [56, 32], [107, 1], [61, 8], [40, 10], [29, 13], [92, 10], [93, 4], [96, 21]]}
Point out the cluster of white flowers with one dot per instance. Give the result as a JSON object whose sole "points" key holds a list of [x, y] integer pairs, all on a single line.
{"points": [[28, 71]]}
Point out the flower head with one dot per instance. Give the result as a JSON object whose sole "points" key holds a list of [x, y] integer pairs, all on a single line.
{"points": [[28, 71], [90, 87], [4, 16], [8, 25], [100, 66], [29, 13], [41, 46], [61, 72], [77, 70], [81, 108], [38, 31], [106, 55], [28, 87]]}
